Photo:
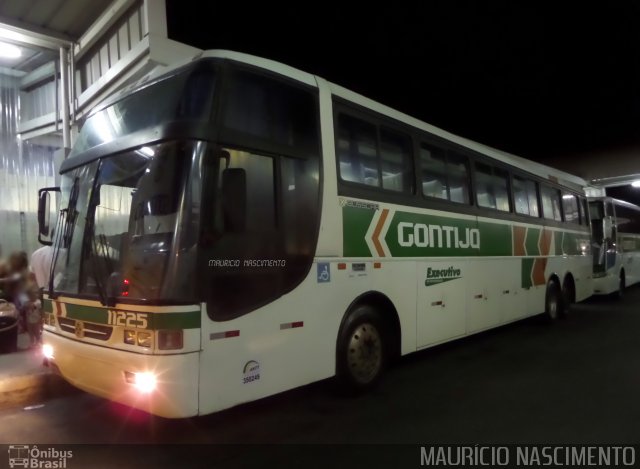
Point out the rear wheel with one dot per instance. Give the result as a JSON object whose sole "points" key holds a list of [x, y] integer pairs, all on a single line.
{"points": [[568, 294], [622, 284], [553, 301], [361, 350]]}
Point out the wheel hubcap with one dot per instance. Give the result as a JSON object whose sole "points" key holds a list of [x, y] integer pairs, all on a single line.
{"points": [[365, 353], [553, 307]]}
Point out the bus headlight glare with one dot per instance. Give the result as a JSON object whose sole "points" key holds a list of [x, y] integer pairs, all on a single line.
{"points": [[144, 382], [47, 351]]}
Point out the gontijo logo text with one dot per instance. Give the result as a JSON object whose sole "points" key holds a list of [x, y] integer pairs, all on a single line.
{"points": [[38, 458], [423, 235]]}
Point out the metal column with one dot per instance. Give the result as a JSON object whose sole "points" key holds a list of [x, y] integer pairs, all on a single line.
{"points": [[64, 98]]}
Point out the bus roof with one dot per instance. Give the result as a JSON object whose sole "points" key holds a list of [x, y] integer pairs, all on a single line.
{"points": [[538, 169], [622, 203]]}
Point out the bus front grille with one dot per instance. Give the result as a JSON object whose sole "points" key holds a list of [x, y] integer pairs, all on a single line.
{"points": [[89, 330]]}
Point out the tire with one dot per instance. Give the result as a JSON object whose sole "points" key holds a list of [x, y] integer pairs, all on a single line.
{"points": [[622, 284], [553, 305], [361, 355], [568, 295]]}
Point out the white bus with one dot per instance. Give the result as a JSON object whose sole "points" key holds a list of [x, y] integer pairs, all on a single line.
{"points": [[235, 228], [616, 236]]}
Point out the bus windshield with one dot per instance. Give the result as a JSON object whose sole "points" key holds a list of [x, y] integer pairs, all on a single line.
{"points": [[132, 227], [130, 220]]}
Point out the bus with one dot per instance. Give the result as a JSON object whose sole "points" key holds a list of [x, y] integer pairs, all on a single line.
{"points": [[616, 249], [232, 228]]}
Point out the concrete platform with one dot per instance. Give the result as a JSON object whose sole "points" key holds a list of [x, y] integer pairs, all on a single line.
{"points": [[24, 380]]}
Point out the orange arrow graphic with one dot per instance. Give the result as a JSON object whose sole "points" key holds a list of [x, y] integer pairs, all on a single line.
{"points": [[376, 233]]}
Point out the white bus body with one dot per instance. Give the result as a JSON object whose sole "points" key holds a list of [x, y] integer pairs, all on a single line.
{"points": [[432, 270], [616, 236]]}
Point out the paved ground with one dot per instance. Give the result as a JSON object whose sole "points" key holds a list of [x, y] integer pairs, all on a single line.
{"points": [[577, 381], [23, 379]]}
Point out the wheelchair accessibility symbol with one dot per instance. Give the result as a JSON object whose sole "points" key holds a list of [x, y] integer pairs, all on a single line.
{"points": [[324, 274]]}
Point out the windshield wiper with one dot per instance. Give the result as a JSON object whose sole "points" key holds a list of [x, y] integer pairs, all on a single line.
{"points": [[64, 230], [92, 251]]}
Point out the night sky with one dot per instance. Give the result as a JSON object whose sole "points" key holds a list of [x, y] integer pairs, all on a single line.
{"points": [[549, 84]]}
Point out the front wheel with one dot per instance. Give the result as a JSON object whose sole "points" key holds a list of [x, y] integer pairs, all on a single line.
{"points": [[361, 350]]}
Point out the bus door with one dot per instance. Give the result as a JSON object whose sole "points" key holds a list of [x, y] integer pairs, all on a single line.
{"points": [[603, 232]]}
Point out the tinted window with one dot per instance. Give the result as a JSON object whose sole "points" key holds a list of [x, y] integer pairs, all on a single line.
{"points": [[362, 160], [186, 95], [596, 210], [550, 203], [272, 112], [395, 161], [627, 219], [433, 165], [458, 171], [584, 212], [525, 193], [492, 187], [260, 229], [570, 207], [357, 151], [444, 176]]}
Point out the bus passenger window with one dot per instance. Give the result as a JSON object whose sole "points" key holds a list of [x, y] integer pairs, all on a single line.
{"points": [[570, 206], [551, 203], [584, 212], [357, 151], [458, 171], [526, 196], [395, 161], [492, 187], [434, 172], [444, 177]]}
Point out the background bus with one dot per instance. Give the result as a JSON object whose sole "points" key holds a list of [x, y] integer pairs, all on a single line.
{"points": [[235, 228], [616, 237]]}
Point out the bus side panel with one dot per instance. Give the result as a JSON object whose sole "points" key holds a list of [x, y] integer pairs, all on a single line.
{"points": [[441, 309], [631, 259], [292, 341]]}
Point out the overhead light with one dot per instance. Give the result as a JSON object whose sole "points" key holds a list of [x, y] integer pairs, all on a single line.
{"points": [[9, 51], [636, 183], [147, 151]]}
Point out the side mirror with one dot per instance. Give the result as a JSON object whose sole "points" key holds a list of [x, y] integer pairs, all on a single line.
{"points": [[44, 207], [44, 213], [234, 199]]}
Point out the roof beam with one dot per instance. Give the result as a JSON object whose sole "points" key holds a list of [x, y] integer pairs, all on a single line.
{"points": [[108, 18], [25, 33]]}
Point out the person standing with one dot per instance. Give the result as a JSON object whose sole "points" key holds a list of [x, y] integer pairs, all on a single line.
{"points": [[41, 265]]}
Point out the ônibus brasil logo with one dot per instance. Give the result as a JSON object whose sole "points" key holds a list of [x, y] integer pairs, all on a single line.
{"points": [[34, 457], [435, 276]]}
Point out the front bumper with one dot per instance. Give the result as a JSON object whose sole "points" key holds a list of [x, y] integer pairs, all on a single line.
{"points": [[101, 371]]}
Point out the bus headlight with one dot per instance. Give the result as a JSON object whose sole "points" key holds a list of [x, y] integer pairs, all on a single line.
{"points": [[170, 340], [129, 337], [144, 339], [47, 351], [144, 382]]}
